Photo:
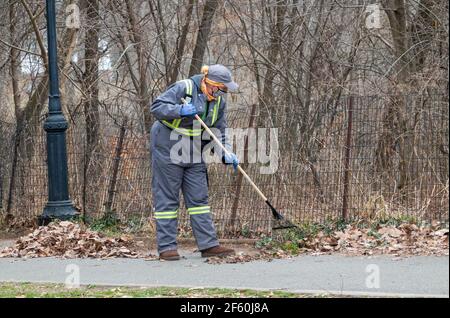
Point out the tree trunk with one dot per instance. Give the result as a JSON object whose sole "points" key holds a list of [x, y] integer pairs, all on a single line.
{"points": [[90, 75], [397, 107], [276, 31], [92, 166], [204, 31], [175, 70], [140, 82], [14, 71]]}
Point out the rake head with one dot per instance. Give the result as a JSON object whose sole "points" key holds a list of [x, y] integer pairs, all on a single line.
{"points": [[280, 222]]}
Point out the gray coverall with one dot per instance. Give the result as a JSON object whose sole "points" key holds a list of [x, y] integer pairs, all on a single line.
{"points": [[170, 176]]}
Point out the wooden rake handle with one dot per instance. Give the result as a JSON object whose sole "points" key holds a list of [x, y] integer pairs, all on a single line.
{"points": [[218, 142], [228, 153]]}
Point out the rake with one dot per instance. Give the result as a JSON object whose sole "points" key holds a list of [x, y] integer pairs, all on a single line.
{"points": [[280, 221]]}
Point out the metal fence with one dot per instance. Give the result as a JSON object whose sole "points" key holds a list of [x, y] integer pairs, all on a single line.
{"points": [[344, 160]]}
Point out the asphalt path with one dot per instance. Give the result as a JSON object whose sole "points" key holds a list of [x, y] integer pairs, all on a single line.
{"points": [[423, 276]]}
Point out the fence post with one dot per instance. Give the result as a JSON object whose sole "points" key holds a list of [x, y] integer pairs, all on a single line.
{"points": [[348, 146], [115, 168], [12, 181]]}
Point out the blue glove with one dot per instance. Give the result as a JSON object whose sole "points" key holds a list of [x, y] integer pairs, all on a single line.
{"points": [[188, 110], [231, 159]]}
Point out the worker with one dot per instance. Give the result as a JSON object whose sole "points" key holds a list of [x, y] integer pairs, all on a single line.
{"points": [[175, 110]]}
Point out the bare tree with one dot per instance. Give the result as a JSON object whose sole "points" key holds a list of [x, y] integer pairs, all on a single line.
{"points": [[204, 30]]}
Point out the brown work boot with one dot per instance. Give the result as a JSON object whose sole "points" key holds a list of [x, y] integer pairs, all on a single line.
{"points": [[218, 251], [169, 256]]}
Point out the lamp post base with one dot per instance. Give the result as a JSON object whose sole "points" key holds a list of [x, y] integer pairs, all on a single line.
{"points": [[61, 210]]}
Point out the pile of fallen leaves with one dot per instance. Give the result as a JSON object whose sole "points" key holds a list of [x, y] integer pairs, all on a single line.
{"points": [[401, 241], [70, 240], [404, 240]]}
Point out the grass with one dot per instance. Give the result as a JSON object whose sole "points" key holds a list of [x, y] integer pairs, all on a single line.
{"points": [[108, 224], [292, 240], [31, 290]]}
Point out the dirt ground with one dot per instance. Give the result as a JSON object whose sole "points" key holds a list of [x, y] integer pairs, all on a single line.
{"points": [[9, 238]]}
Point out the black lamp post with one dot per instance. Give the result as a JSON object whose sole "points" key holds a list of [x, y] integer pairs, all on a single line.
{"points": [[59, 206]]}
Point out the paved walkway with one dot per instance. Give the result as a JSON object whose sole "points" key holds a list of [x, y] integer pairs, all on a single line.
{"points": [[381, 275]]}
